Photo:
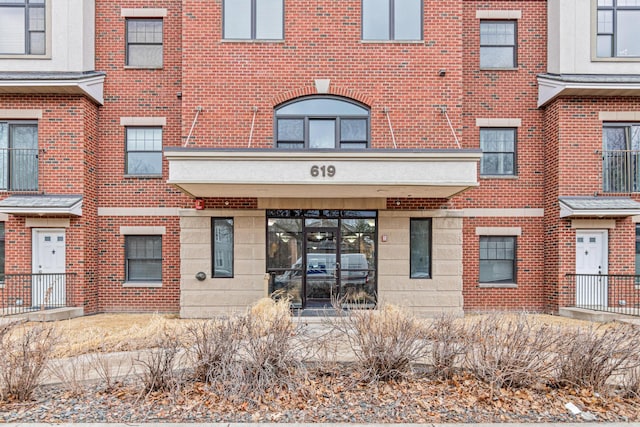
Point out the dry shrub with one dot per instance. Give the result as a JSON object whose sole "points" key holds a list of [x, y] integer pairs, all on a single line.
{"points": [[386, 342], [590, 356], [159, 361], [71, 372], [508, 351], [23, 357], [270, 355], [109, 367], [448, 344], [214, 348], [631, 382]]}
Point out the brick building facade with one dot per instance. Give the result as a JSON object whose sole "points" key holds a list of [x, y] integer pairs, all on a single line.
{"points": [[192, 157]]}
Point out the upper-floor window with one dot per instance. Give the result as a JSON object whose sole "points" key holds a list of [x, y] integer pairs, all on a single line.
{"points": [[621, 157], [22, 27], [498, 44], [144, 43], [498, 151], [144, 151], [618, 29], [322, 122], [18, 156], [253, 19], [391, 19]]}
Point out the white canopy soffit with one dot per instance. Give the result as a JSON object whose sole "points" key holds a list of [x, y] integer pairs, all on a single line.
{"points": [[90, 83], [551, 86], [600, 207], [323, 174]]}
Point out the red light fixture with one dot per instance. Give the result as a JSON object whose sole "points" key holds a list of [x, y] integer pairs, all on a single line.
{"points": [[199, 204]]}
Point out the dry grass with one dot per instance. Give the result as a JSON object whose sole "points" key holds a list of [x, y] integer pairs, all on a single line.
{"points": [[125, 332]]}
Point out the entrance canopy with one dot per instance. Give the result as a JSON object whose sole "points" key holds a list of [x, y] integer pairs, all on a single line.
{"points": [[322, 173]]}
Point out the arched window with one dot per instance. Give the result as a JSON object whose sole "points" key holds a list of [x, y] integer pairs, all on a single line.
{"points": [[322, 123]]}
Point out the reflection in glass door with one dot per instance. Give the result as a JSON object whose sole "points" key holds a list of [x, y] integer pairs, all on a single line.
{"points": [[322, 270]]}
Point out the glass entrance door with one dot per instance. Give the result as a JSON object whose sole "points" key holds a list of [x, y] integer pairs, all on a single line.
{"points": [[322, 279], [315, 258]]}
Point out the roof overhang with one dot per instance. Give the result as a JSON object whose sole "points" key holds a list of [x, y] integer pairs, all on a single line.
{"points": [[42, 205], [551, 86], [90, 84], [601, 207], [273, 173]]}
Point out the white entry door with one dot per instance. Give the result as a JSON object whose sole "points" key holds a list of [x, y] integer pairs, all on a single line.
{"points": [[48, 266], [591, 263]]}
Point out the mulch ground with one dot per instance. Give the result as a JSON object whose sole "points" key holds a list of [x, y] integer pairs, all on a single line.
{"points": [[324, 398]]}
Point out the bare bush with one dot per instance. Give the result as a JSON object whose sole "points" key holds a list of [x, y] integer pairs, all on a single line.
{"points": [[386, 342], [271, 356], [590, 356], [71, 372], [504, 351], [631, 382], [214, 348], [448, 344], [23, 357], [110, 368], [158, 362]]}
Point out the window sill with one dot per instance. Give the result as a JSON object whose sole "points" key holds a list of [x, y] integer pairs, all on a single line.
{"points": [[142, 67], [143, 176], [498, 285], [499, 69], [25, 57], [616, 59], [252, 40], [499, 177], [142, 284], [392, 41]]}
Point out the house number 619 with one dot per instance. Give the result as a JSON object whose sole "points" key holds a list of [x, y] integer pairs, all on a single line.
{"points": [[323, 171]]}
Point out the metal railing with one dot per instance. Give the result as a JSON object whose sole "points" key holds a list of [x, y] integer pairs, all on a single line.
{"points": [[615, 293], [19, 169], [21, 293], [621, 171]]}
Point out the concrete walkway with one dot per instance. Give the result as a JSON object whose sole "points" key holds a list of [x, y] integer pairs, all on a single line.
{"points": [[321, 425]]}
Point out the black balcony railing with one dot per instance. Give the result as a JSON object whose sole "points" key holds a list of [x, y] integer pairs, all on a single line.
{"points": [[621, 171], [18, 169], [21, 293], [615, 293]]}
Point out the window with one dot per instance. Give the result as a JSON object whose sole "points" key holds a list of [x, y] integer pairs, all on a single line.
{"points": [[144, 151], [18, 156], [1, 251], [143, 258], [318, 123], [420, 242], [253, 19], [22, 27], [497, 259], [222, 250], [391, 20], [498, 151], [621, 158], [618, 29], [498, 44], [144, 43]]}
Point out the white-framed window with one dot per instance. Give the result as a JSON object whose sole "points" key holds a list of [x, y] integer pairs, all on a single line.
{"points": [[618, 31], [18, 156], [498, 44], [143, 258], [144, 151], [144, 42], [222, 247], [420, 248], [22, 27], [253, 19], [497, 259], [498, 151], [392, 20], [621, 157]]}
